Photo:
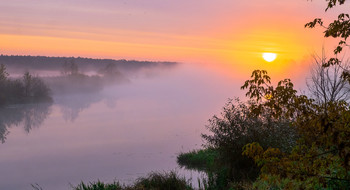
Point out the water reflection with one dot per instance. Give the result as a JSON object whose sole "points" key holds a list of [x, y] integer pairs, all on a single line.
{"points": [[73, 104], [122, 132], [29, 116]]}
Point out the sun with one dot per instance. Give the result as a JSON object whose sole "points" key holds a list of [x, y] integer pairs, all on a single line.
{"points": [[269, 57]]}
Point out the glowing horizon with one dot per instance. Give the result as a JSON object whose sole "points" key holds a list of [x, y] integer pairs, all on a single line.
{"points": [[233, 34]]}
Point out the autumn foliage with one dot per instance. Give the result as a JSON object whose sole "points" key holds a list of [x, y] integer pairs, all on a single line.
{"points": [[321, 157]]}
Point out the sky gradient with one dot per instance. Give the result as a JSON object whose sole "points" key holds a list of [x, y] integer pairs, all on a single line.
{"points": [[232, 33]]}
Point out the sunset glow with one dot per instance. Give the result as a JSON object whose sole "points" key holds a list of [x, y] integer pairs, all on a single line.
{"points": [[117, 89], [156, 30], [269, 57]]}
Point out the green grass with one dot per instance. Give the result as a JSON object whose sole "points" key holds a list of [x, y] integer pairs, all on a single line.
{"points": [[208, 161], [201, 160]]}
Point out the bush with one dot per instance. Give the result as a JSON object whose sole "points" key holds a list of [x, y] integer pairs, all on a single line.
{"points": [[238, 126], [320, 158]]}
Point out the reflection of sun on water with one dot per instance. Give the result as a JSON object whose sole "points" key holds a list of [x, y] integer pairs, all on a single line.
{"points": [[269, 57]]}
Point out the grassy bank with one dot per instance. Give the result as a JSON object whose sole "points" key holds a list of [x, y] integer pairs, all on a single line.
{"points": [[201, 160], [154, 181]]}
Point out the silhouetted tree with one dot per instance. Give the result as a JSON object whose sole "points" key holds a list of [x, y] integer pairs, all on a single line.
{"points": [[27, 81], [3, 73], [3, 83], [70, 68], [65, 68], [326, 84], [73, 67]]}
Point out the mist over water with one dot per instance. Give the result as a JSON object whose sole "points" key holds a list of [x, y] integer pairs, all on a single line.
{"points": [[119, 132]]}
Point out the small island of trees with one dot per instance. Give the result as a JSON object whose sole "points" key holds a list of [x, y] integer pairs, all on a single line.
{"points": [[28, 89]]}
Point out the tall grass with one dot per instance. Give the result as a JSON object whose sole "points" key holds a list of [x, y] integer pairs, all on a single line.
{"points": [[99, 186], [163, 181], [208, 160], [201, 160], [154, 181]]}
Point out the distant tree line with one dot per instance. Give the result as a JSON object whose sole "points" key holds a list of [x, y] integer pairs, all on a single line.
{"points": [[85, 64], [72, 80], [23, 90]]}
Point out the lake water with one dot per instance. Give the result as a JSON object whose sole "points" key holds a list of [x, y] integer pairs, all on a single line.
{"points": [[120, 133]]}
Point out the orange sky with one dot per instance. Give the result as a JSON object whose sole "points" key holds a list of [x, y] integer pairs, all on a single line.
{"points": [[232, 34]]}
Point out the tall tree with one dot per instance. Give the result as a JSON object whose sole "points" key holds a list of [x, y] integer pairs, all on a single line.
{"points": [[27, 81], [339, 28], [321, 157], [3, 73], [326, 84], [3, 79]]}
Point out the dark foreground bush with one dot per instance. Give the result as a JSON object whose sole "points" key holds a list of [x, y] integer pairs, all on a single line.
{"points": [[154, 181]]}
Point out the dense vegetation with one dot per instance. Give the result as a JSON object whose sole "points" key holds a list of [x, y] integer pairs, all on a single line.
{"points": [[320, 159], [28, 89]]}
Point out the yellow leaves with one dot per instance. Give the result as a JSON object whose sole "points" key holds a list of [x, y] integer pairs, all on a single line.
{"points": [[253, 150], [272, 153], [268, 96], [279, 101], [261, 157], [323, 150], [257, 85]]}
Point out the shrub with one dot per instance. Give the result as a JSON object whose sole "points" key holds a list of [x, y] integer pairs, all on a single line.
{"points": [[238, 126]]}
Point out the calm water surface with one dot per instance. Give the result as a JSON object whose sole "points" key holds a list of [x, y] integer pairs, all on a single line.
{"points": [[122, 132]]}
